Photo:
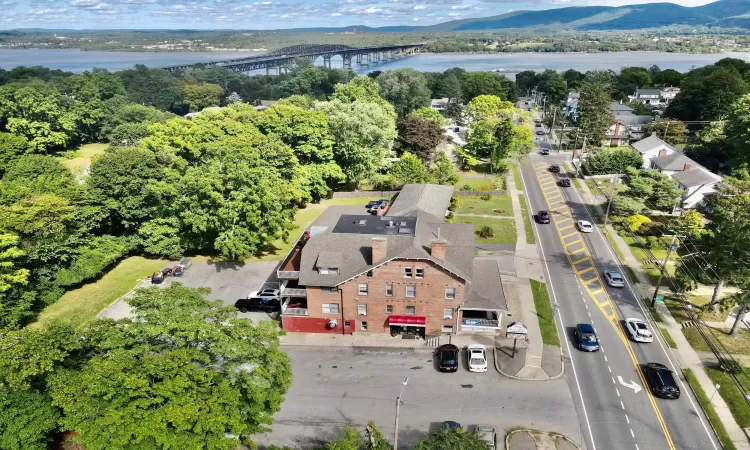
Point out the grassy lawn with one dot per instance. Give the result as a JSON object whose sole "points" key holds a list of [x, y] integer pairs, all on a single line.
{"points": [[83, 304], [703, 399], [527, 220], [517, 177], [475, 205], [739, 344], [279, 249], [700, 307], [505, 230], [731, 394], [667, 337], [485, 184], [544, 313], [614, 245], [81, 157]]}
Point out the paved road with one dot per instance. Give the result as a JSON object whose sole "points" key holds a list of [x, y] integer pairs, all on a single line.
{"points": [[337, 386], [614, 416]]}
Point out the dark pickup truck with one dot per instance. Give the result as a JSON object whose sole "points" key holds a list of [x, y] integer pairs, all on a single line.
{"points": [[258, 304]]}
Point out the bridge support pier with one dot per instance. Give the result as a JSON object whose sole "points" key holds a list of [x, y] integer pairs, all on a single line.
{"points": [[347, 61], [327, 61]]}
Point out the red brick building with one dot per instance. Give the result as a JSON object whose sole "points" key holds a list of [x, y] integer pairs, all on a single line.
{"points": [[405, 272]]}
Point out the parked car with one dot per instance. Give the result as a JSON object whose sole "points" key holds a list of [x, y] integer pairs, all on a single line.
{"points": [[564, 182], [477, 355], [539, 124], [661, 380], [185, 263], [584, 226], [258, 304], [157, 277], [372, 203], [542, 217], [266, 293], [638, 330], [587, 340], [545, 151], [537, 120], [448, 424], [448, 358], [554, 168], [487, 434], [381, 205], [540, 132], [614, 279], [178, 270]]}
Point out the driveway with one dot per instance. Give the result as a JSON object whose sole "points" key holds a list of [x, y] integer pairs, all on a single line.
{"points": [[228, 282], [333, 387]]}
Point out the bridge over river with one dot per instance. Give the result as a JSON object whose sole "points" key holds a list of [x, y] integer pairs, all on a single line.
{"points": [[279, 60]]}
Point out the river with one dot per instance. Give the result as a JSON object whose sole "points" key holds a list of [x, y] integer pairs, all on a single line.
{"points": [[510, 63]]}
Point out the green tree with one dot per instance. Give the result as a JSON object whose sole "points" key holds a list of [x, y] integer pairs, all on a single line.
{"points": [[27, 420], [635, 221], [737, 131], [554, 85], [474, 84], [452, 439], [409, 169], [689, 224], [672, 131], [612, 161], [573, 78], [360, 89], [627, 206], [201, 96], [707, 93], [488, 106], [443, 171], [428, 113], [363, 134], [118, 113], [161, 237], [711, 149], [632, 78], [36, 175], [11, 147], [451, 87], [594, 114], [14, 305], [419, 137], [233, 98], [526, 81], [152, 87], [406, 89]]}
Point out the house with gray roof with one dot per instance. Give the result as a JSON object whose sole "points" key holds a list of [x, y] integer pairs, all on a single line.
{"points": [[650, 97], [406, 272], [652, 147], [694, 181]]}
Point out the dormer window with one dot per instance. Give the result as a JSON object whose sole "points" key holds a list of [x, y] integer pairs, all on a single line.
{"points": [[328, 270]]}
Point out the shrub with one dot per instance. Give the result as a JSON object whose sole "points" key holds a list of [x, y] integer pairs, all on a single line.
{"points": [[486, 232], [653, 242], [385, 182], [453, 204], [653, 228], [730, 366], [498, 183], [486, 197], [684, 282], [612, 161], [485, 187], [627, 205], [466, 187], [450, 215], [636, 221], [92, 261]]}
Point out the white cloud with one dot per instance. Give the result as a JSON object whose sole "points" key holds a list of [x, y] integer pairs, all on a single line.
{"points": [[419, 7], [416, 19], [372, 10], [336, 14], [464, 6], [455, 14]]}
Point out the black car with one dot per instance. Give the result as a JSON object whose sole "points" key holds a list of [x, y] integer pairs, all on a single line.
{"points": [[449, 424], [258, 304], [565, 182], [542, 217], [554, 168], [448, 355], [540, 132], [587, 340], [372, 203], [538, 124], [661, 380], [545, 151]]}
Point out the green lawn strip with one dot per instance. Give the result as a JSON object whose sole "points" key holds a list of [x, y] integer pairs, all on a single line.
{"points": [[667, 337], [82, 305], [504, 229], [544, 313], [517, 177], [489, 183], [476, 205], [708, 408], [739, 344], [731, 394], [614, 245], [530, 239]]}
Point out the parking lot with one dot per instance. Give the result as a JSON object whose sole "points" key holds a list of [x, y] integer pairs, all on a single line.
{"points": [[337, 386]]}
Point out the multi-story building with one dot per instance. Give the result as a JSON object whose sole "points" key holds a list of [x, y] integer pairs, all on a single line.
{"points": [[405, 272]]}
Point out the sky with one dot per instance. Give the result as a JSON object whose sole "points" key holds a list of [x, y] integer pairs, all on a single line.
{"points": [[265, 14]]}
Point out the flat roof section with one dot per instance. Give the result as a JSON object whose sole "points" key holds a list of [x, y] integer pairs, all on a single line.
{"points": [[369, 224]]}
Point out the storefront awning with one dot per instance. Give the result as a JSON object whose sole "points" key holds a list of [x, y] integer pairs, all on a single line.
{"points": [[407, 321]]}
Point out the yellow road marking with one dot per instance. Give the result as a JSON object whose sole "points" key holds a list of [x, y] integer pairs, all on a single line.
{"points": [[611, 315], [586, 270]]}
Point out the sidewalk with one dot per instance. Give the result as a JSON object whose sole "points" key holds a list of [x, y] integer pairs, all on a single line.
{"points": [[684, 353]]}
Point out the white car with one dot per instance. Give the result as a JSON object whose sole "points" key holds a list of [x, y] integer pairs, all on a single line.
{"points": [[639, 330], [265, 293], [585, 226], [487, 434], [477, 355], [614, 279]]}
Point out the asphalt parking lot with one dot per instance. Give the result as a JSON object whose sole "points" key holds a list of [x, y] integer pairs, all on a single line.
{"points": [[333, 387]]}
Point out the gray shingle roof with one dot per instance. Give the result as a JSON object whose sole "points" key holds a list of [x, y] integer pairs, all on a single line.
{"points": [[486, 289], [696, 176], [617, 107], [651, 143], [633, 120], [675, 161], [432, 199], [640, 92]]}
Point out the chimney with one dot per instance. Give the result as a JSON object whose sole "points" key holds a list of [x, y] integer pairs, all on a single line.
{"points": [[438, 248], [653, 133], [686, 167], [662, 152], [379, 249]]}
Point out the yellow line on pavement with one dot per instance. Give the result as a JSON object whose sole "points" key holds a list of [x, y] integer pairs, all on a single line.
{"points": [[586, 270], [611, 316]]}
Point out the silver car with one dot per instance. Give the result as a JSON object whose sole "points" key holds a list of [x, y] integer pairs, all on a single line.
{"points": [[614, 279], [487, 434]]}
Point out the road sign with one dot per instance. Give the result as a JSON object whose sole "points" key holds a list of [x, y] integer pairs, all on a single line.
{"points": [[515, 335], [659, 299]]}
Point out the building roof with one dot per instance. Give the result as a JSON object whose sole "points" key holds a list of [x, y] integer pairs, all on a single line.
{"points": [[634, 120], [640, 92], [432, 199], [618, 107], [696, 176], [486, 288], [572, 103], [674, 161], [574, 95], [439, 101], [651, 143]]}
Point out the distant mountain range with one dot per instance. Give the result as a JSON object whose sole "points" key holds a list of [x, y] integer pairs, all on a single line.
{"points": [[723, 13]]}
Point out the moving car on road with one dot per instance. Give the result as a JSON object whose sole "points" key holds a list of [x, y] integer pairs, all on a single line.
{"points": [[584, 226], [587, 340], [554, 168], [614, 279], [477, 356], [564, 182], [487, 434], [661, 380], [447, 358], [542, 217], [638, 330]]}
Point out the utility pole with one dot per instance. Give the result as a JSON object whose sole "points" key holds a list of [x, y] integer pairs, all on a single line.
{"points": [[398, 405], [611, 196], [580, 157], [663, 269], [552, 130]]}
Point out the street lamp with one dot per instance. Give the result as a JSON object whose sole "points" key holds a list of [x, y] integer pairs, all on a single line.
{"points": [[398, 405]]}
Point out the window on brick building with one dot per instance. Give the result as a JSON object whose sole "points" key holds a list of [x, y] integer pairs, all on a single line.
{"points": [[330, 308], [411, 290], [419, 273], [363, 326], [448, 313], [389, 309], [329, 290], [362, 310], [363, 289], [410, 310], [389, 290], [407, 272], [450, 293]]}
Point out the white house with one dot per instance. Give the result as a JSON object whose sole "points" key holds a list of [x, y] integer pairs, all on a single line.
{"points": [[652, 147], [647, 96], [669, 93], [571, 106], [692, 179], [439, 104]]}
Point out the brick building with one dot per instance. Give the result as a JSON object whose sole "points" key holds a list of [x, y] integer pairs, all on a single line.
{"points": [[407, 272]]}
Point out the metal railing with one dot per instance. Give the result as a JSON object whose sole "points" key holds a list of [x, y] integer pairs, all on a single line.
{"points": [[294, 292], [294, 312], [287, 274]]}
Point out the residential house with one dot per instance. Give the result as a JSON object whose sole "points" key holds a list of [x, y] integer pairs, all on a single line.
{"points": [[651, 147], [626, 128], [647, 96], [571, 106], [669, 93], [619, 109], [439, 104], [692, 179], [407, 272]]}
